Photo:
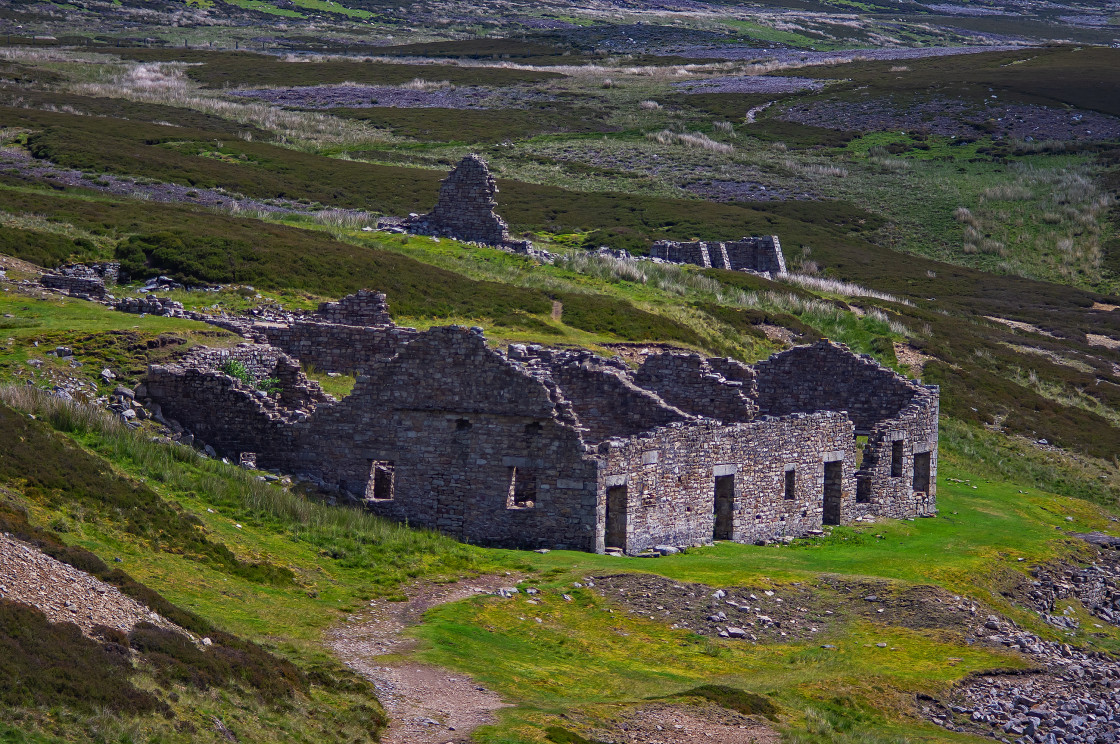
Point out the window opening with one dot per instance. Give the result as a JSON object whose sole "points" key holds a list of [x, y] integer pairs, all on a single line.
{"points": [[382, 481], [791, 484], [522, 489], [896, 458]]}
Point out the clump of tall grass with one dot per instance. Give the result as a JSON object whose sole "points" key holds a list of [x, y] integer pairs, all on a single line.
{"points": [[815, 169], [426, 85], [690, 139], [835, 286], [649, 106], [724, 126]]}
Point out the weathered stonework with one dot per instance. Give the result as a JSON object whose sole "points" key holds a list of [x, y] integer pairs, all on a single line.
{"points": [[82, 280], [758, 254], [465, 208], [537, 447]]}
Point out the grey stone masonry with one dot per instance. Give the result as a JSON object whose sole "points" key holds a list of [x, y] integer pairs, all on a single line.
{"points": [[670, 480], [465, 208], [82, 280], [691, 383], [761, 254], [538, 447], [150, 305], [363, 308], [347, 336]]}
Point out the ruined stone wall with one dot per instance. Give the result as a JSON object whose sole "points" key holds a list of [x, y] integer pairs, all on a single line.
{"points": [[330, 347], [694, 252], [670, 478], [603, 397], [738, 372], [828, 377], [465, 207], [363, 308], [229, 414], [763, 254], [150, 305], [760, 254], [82, 280], [890, 489], [463, 430], [689, 382]]}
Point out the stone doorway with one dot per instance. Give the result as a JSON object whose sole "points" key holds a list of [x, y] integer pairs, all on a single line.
{"points": [[833, 491], [724, 508], [921, 472], [617, 503]]}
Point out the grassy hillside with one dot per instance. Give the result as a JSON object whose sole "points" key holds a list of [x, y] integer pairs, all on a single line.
{"points": [[949, 246]]}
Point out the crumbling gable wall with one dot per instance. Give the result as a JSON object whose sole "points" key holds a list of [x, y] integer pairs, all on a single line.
{"points": [[690, 382], [604, 398], [898, 416], [472, 441], [826, 376], [670, 479]]}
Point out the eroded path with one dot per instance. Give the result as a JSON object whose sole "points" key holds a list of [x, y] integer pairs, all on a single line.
{"points": [[426, 704]]}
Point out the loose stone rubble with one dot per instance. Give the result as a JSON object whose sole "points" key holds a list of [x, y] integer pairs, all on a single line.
{"points": [[543, 448], [65, 594]]}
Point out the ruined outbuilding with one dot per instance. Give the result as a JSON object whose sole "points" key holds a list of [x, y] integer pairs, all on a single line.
{"points": [[760, 254], [536, 447], [465, 208]]}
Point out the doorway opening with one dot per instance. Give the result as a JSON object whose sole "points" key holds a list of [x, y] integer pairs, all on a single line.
{"points": [[833, 491], [921, 472], [617, 503], [382, 481], [724, 508]]}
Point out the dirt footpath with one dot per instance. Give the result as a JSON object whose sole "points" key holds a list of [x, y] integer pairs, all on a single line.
{"points": [[426, 704]]}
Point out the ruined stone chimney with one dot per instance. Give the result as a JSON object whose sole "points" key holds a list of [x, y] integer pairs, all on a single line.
{"points": [[465, 208]]}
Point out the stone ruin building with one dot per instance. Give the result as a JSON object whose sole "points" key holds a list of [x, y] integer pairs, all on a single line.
{"points": [[535, 447], [82, 280], [761, 255], [465, 209]]}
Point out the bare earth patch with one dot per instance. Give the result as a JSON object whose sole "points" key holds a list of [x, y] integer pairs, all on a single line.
{"points": [[1103, 306], [1019, 325], [1096, 339], [706, 723], [426, 704], [911, 357]]}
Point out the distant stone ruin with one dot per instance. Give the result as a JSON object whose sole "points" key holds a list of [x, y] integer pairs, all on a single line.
{"points": [[465, 208], [761, 255], [82, 280], [535, 447]]}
